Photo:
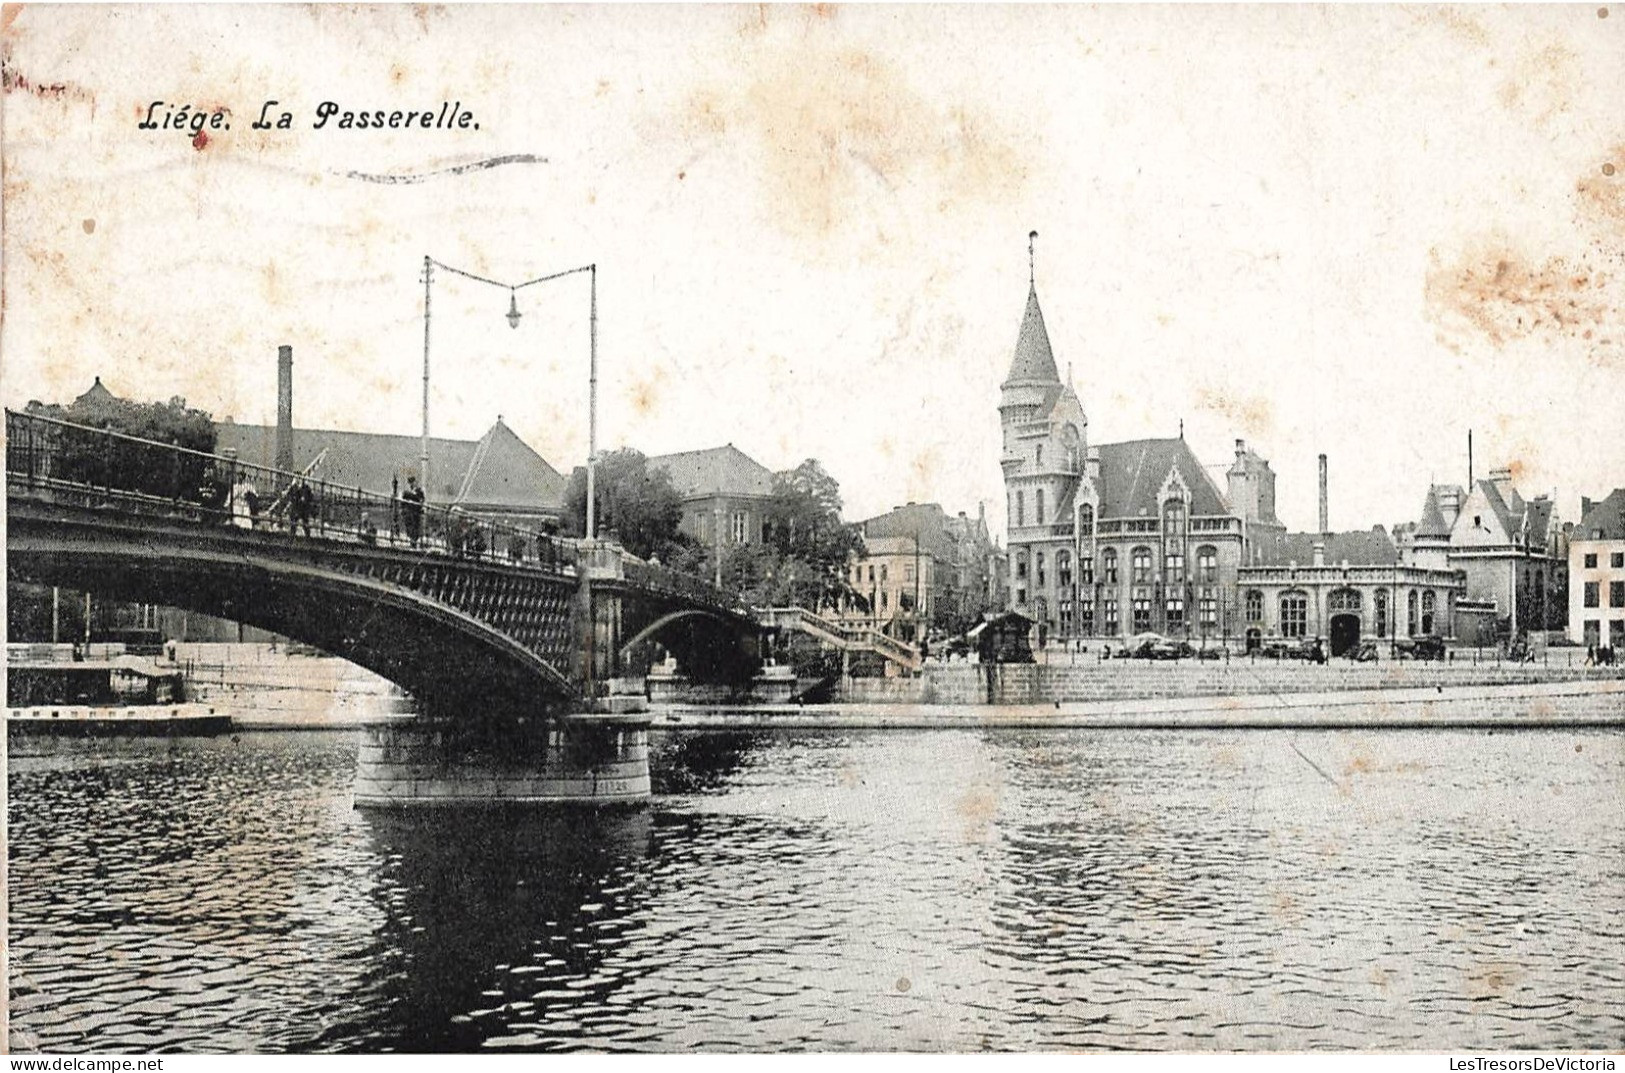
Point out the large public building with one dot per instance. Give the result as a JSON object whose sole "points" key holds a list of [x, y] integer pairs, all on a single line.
{"points": [[1111, 540]]}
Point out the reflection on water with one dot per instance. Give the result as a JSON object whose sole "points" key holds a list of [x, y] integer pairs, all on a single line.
{"points": [[925, 890]]}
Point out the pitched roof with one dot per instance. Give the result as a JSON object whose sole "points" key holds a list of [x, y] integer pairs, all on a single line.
{"points": [[511, 474], [96, 395], [1606, 516], [506, 472], [1033, 358], [722, 470], [1132, 474], [1361, 547], [1433, 522], [928, 521]]}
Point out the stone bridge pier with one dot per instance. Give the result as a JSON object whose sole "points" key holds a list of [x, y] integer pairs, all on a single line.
{"points": [[587, 747]]}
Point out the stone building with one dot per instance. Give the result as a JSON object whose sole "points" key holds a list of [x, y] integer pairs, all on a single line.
{"points": [[923, 570], [1597, 573], [1119, 538], [1510, 550], [498, 477], [726, 494], [1344, 588]]}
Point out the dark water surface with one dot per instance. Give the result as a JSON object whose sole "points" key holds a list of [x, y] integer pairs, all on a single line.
{"points": [[869, 890]]}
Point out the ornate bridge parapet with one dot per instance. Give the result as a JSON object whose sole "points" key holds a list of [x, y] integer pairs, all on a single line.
{"points": [[498, 632]]}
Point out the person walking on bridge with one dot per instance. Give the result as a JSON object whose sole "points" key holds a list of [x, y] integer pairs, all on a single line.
{"points": [[300, 504], [412, 511]]}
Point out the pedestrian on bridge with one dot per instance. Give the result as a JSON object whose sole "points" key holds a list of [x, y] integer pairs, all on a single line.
{"points": [[244, 503], [301, 504], [412, 511]]}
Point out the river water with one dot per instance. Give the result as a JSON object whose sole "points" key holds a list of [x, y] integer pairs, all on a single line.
{"points": [[928, 890]]}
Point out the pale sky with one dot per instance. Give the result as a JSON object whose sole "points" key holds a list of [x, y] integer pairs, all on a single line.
{"points": [[1354, 230]]}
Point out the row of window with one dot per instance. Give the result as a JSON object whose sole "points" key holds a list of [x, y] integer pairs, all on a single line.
{"points": [[857, 573], [1616, 593], [1173, 515], [1294, 605], [1616, 633], [1616, 560], [1173, 566]]}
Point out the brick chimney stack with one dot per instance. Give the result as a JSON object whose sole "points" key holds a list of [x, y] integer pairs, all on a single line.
{"points": [[1325, 525], [284, 407]]}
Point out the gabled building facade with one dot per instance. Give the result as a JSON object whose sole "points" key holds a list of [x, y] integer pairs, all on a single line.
{"points": [[1597, 574], [725, 492], [922, 571], [1511, 552]]}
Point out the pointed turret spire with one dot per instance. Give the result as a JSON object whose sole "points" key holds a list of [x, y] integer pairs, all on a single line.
{"points": [[1033, 358]]}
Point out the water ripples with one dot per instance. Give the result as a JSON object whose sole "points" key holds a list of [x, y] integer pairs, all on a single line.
{"points": [[950, 890]]}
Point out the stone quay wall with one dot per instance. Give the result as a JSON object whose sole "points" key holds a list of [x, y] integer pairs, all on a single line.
{"points": [[1104, 680]]}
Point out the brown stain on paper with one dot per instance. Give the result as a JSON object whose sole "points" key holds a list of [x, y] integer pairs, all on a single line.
{"points": [[1253, 414], [835, 125], [1495, 291]]}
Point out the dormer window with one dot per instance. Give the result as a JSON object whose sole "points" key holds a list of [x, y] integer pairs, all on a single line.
{"points": [[1478, 521]]}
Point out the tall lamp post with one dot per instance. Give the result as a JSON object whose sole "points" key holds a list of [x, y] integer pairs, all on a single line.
{"points": [[513, 289]]}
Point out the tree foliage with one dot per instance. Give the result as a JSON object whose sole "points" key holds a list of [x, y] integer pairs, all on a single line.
{"points": [[638, 503], [814, 546], [84, 456]]}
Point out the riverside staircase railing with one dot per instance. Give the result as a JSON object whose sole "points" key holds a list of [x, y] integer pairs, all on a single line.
{"points": [[841, 636]]}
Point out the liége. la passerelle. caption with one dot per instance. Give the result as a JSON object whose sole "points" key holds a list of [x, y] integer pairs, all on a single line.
{"points": [[329, 115]]}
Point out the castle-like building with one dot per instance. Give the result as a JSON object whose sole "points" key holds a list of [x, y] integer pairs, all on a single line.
{"points": [[1115, 539], [1119, 538]]}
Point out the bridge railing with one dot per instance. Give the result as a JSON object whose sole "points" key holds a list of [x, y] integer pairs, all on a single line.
{"points": [[100, 467]]}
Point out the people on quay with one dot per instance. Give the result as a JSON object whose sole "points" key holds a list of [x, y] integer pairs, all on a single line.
{"points": [[412, 511], [367, 530], [301, 505]]}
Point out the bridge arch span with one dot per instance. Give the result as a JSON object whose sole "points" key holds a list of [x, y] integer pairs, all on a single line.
{"points": [[451, 661]]}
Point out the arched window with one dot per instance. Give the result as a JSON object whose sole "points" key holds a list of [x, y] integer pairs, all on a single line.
{"points": [[1344, 600], [1379, 605], [882, 573], [1038, 505], [1021, 509], [1255, 606], [1410, 618], [1294, 614], [1428, 607], [1021, 566], [1086, 521], [1038, 566], [1063, 569], [1039, 455], [1108, 568], [1207, 564], [1141, 566]]}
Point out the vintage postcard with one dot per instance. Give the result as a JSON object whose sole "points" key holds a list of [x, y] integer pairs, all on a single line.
{"points": [[928, 528]]}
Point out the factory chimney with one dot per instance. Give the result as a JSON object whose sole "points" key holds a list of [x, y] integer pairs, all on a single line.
{"points": [[284, 407], [1325, 526]]}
